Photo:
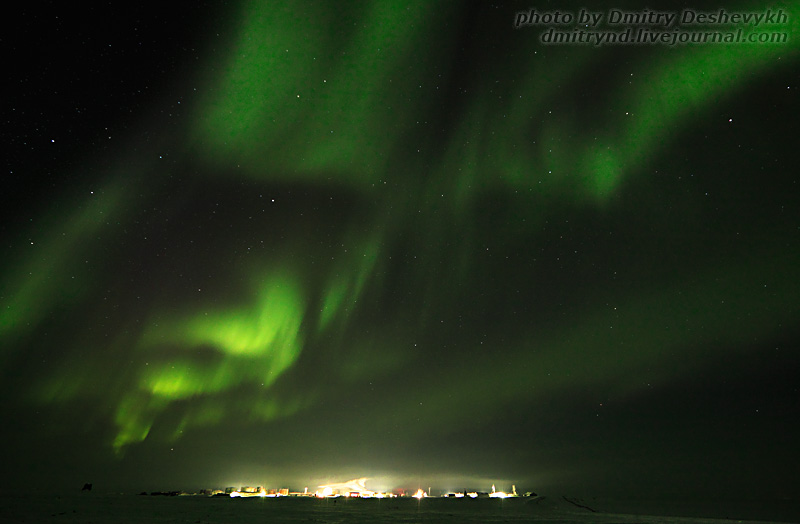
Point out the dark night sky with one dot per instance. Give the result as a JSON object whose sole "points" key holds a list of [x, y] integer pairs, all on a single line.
{"points": [[286, 244]]}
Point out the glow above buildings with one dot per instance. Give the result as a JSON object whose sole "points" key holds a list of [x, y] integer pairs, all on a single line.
{"points": [[355, 488]]}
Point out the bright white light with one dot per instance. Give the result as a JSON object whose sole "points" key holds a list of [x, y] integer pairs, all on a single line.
{"points": [[419, 494]]}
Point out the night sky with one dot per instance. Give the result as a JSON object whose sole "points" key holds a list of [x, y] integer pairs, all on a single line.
{"points": [[287, 244]]}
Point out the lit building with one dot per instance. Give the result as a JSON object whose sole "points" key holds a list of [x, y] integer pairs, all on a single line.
{"points": [[351, 488]]}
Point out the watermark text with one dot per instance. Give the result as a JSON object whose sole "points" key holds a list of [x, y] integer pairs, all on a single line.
{"points": [[689, 26]]}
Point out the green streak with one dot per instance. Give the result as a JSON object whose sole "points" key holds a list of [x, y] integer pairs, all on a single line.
{"points": [[271, 328], [134, 417], [314, 104], [53, 270], [347, 282], [677, 87], [254, 346]]}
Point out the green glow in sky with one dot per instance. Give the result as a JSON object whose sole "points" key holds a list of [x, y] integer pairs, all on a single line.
{"points": [[51, 271], [359, 108], [293, 104], [255, 345]]}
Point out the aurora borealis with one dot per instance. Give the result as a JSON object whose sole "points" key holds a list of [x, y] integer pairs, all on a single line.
{"points": [[402, 240]]}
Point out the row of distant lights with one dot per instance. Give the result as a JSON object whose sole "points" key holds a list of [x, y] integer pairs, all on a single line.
{"points": [[328, 493], [474, 495], [325, 493]]}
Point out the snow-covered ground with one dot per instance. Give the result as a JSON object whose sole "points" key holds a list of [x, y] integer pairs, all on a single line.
{"points": [[96, 508]]}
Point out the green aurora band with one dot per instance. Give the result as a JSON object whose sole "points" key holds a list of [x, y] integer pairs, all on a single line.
{"points": [[331, 107]]}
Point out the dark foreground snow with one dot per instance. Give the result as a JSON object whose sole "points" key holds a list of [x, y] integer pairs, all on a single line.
{"points": [[96, 508]]}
